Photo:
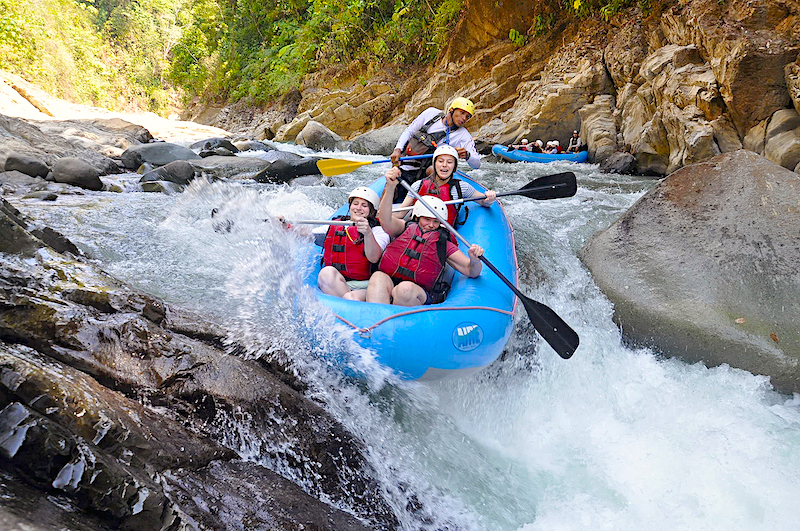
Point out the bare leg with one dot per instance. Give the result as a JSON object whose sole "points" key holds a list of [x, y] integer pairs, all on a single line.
{"points": [[332, 282], [380, 288], [356, 295], [409, 294]]}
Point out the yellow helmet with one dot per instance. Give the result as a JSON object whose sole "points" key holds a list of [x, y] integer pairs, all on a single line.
{"points": [[463, 104]]}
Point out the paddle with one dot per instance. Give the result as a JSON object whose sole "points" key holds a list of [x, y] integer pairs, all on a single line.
{"points": [[321, 222], [331, 167], [552, 328], [553, 186]]}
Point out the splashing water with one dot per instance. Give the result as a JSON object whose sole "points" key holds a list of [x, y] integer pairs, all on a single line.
{"points": [[614, 438]]}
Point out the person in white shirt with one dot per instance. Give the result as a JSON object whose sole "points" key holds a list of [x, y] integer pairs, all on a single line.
{"points": [[430, 129]]}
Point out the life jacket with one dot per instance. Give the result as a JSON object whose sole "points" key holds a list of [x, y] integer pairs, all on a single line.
{"points": [[423, 142], [344, 249], [416, 256], [443, 192]]}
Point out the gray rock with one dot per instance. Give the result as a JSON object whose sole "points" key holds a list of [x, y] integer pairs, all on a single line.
{"points": [[318, 137], [252, 145], [156, 153], [179, 172], [32, 166], [18, 182], [77, 173], [378, 141], [705, 267], [234, 487], [619, 162], [217, 167], [282, 171], [102, 449], [163, 187], [213, 144], [44, 195]]}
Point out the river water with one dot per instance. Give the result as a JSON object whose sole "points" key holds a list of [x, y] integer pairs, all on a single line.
{"points": [[614, 438]]}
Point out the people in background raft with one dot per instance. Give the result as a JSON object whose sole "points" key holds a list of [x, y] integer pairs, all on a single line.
{"points": [[522, 146], [443, 185], [553, 147], [412, 266], [350, 252], [575, 143], [431, 128]]}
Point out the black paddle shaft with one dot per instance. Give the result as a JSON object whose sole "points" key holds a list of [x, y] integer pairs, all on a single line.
{"points": [[556, 186], [558, 334]]}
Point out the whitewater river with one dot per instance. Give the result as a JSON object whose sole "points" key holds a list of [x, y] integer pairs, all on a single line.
{"points": [[614, 438]]}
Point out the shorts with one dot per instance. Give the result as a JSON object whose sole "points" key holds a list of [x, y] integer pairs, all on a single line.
{"points": [[428, 298], [357, 284]]}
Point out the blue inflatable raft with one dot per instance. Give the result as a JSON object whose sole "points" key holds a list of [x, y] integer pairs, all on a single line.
{"points": [[466, 332], [517, 155]]}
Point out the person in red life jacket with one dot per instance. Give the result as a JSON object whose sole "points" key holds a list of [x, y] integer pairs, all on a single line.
{"points": [[431, 128], [442, 184], [350, 252], [413, 263]]}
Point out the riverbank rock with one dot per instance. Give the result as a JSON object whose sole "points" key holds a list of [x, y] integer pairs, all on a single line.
{"points": [[683, 81], [319, 138], [179, 172], [157, 153], [126, 405], [704, 267], [76, 172], [378, 142]]}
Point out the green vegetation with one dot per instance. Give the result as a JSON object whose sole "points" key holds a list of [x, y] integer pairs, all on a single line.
{"points": [[143, 53], [233, 49], [102, 52], [517, 38], [606, 8]]}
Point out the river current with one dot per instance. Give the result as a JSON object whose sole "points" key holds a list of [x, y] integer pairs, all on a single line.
{"points": [[615, 438]]}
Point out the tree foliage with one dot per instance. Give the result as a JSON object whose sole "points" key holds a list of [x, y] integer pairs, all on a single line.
{"points": [[258, 50]]}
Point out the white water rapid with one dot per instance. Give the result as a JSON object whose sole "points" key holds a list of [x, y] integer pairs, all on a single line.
{"points": [[614, 438]]}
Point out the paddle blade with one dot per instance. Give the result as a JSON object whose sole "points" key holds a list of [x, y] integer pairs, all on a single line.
{"points": [[553, 186], [551, 327], [331, 167]]}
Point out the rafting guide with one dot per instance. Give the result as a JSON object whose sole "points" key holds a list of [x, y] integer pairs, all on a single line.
{"points": [[431, 128]]}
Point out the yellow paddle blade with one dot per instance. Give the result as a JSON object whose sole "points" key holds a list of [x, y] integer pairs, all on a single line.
{"points": [[331, 167]]}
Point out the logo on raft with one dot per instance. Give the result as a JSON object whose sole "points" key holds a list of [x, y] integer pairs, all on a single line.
{"points": [[467, 336]]}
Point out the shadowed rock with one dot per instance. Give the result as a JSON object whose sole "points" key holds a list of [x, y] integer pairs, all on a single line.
{"points": [[77, 173], [156, 153], [80, 349]]}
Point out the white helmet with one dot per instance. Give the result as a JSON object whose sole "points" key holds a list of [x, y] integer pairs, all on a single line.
{"points": [[524, 140], [445, 149], [434, 202], [539, 143], [365, 193]]}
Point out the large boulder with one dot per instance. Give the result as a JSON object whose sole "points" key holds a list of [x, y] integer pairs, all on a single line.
{"points": [[379, 141], [156, 153], [705, 266], [33, 166], [80, 348], [178, 172], [76, 172], [318, 137]]}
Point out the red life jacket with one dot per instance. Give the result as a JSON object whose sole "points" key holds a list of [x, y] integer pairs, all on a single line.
{"points": [[416, 256], [428, 188], [344, 249]]}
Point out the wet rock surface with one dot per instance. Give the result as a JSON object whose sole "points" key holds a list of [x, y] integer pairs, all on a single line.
{"points": [[132, 412], [705, 267]]}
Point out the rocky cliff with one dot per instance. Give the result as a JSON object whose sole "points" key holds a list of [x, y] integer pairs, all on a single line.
{"points": [[678, 84]]}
